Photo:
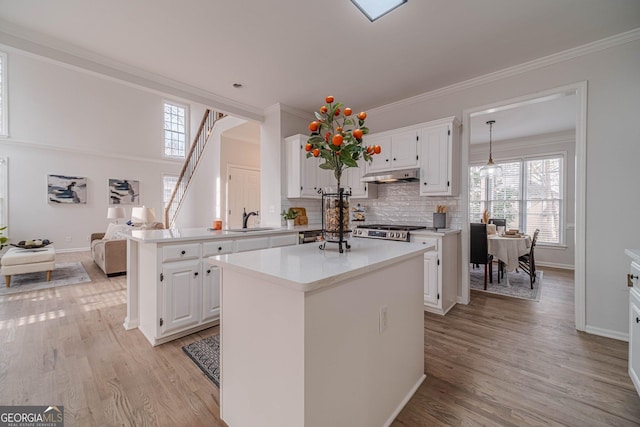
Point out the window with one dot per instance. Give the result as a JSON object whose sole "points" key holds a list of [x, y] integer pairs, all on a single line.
{"points": [[4, 131], [168, 184], [175, 133], [529, 194], [4, 200]]}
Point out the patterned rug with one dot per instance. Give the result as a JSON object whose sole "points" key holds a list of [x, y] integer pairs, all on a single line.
{"points": [[68, 273], [514, 284], [206, 355]]}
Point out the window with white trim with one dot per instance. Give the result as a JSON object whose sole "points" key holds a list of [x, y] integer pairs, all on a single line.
{"points": [[175, 130], [4, 106], [529, 195], [168, 184]]}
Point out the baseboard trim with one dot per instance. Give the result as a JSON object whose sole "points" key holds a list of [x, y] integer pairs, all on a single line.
{"points": [[70, 250], [608, 333], [555, 265], [404, 401]]}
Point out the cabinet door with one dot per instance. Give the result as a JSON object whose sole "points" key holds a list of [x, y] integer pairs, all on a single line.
{"points": [[309, 182], [180, 295], [634, 338], [380, 161], [324, 178], [351, 178], [435, 161], [431, 288], [404, 150], [252, 244], [210, 292]]}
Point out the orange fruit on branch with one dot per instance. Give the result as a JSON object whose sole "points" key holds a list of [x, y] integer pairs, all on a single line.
{"points": [[337, 113], [357, 133], [329, 99], [323, 109], [348, 111], [316, 152], [313, 126], [377, 149], [308, 147], [327, 136], [337, 140], [362, 115]]}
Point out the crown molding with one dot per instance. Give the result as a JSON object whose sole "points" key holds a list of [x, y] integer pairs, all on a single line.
{"points": [[41, 46], [589, 48], [296, 112]]}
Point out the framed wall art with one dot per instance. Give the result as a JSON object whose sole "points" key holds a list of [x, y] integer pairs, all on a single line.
{"points": [[64, 189], [124, 192]]}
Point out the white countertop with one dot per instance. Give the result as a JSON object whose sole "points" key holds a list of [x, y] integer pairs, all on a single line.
{"points": [[203, 233], [306, 267], [439, 232], [634, 254]]}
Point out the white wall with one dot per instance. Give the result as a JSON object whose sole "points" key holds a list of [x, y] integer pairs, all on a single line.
{"points": [[612, 153], [564, 143], [63, 121]]}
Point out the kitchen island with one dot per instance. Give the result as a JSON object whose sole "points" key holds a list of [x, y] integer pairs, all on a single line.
{"points": [[318, 338], [171, 290]]}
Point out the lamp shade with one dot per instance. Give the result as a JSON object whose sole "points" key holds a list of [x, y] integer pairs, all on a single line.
{"points": [[143, 215], [115, 213]]}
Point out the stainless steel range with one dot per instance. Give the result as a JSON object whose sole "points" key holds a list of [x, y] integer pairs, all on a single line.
{"points": [[385, 231]]}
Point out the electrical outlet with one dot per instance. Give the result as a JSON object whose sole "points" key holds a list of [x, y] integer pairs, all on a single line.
{"points": [[383, 320], [67, 239]]}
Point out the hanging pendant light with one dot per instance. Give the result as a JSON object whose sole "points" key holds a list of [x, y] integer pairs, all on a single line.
{"points": [[490, 169]]}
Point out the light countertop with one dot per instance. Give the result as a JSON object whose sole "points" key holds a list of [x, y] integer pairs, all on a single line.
{"points": [[634, 254], [439, 232], [204, 233], [306, 267]]}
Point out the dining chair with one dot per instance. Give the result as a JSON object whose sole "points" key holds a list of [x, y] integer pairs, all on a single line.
{"points": [[499, 222], [527, 262], [479, 250]]}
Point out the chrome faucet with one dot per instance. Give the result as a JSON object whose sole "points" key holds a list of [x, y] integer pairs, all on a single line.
{"points": [[245, 216]]}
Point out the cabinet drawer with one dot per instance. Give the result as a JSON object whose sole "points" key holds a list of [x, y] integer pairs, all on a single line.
{"points": [[243, 245], [426, 241], [180, 252], [217, 248], [286, 240], [634, 279]]}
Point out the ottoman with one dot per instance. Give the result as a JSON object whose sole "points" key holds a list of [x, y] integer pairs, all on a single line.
{"points": [[21, 261]]}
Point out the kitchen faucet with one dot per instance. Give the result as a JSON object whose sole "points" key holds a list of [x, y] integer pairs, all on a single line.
{"points": [[245, 216]]}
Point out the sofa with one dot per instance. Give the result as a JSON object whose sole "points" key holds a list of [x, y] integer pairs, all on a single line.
{"points": [[109, 249]]}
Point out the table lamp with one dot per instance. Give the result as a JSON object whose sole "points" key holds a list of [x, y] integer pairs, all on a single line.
{"points": [[116, 213], [143, 215]]}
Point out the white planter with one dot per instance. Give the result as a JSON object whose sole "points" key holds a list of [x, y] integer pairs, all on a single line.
{"points": [[290, 224]]}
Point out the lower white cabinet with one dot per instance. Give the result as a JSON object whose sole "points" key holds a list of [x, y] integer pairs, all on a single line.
{"points": [[180, 289], [440, 269], [634, 325]]}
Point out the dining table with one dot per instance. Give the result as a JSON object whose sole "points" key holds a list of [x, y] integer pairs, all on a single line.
{"points": [[508, 249]]}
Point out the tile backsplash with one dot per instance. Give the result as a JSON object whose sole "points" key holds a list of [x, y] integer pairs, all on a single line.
{"points": [[398, 203]]}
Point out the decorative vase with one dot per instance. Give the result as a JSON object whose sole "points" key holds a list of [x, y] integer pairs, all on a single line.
{"points": [[290, 224], [335, 216]]}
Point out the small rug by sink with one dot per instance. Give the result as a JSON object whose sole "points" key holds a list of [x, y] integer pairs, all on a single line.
{"points": [[206, 355], [514, 284], [67, 273]]}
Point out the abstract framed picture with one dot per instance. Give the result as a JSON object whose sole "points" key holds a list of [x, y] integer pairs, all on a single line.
{"points": [[124, 192], [65, 189]]}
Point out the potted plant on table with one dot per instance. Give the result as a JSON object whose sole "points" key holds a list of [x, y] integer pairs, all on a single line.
{"points": [[290, 217], [337, 138]]}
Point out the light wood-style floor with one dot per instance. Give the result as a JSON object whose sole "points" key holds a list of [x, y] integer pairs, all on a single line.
{"points": [[496, 362]]}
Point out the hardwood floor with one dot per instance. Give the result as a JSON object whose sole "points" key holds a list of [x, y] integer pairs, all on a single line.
{"points": [[496, 362]]}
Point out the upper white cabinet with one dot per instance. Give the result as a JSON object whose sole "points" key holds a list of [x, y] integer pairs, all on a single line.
{"points": [[398, 150], [305, 178], [439, 158]]}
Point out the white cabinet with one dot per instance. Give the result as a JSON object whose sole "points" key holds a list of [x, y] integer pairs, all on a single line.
{"points": [[359, 190], [180, 289], [440, 269], [180, 295], [398, 150], [304, 176], [439, 154], [634, 323]]}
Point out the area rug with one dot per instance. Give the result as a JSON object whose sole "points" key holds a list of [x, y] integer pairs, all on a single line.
{"points": [[67, 273], [514, 284], [206, 355]]}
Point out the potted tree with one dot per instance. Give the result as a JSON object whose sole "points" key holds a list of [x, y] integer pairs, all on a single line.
{"points": [[290, 216]]}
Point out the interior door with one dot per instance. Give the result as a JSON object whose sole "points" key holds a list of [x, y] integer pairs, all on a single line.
{"points": [[243, 192]]}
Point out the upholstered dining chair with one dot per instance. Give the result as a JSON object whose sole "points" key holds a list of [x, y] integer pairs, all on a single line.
{"points": [[527, 262], [479, 250]]}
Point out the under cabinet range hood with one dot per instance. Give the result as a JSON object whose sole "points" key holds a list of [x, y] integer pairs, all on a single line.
{"points": [[383, 177]]}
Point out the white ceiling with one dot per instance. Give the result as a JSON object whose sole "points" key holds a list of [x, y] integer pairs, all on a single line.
{"points": [[296, 52]]}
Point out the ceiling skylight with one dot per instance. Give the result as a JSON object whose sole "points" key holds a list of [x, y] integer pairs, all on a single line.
{"points": [[374, 9]]}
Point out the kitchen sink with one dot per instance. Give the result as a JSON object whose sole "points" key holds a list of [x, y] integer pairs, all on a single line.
{"points": [[245, 230]]}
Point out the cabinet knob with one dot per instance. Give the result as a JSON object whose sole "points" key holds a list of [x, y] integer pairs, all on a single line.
{"points": [[630, 278], [219, 248], [183, 252], [424, 183], [637, 319], [394, 159], [386, 160], [209, 271], [195, 274]]}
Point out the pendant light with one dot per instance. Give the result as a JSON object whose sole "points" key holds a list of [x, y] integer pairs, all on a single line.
{"points": [[490, 169]]}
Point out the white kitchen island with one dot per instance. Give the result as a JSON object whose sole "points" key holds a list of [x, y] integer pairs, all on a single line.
{"points": [[318, 338]]}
